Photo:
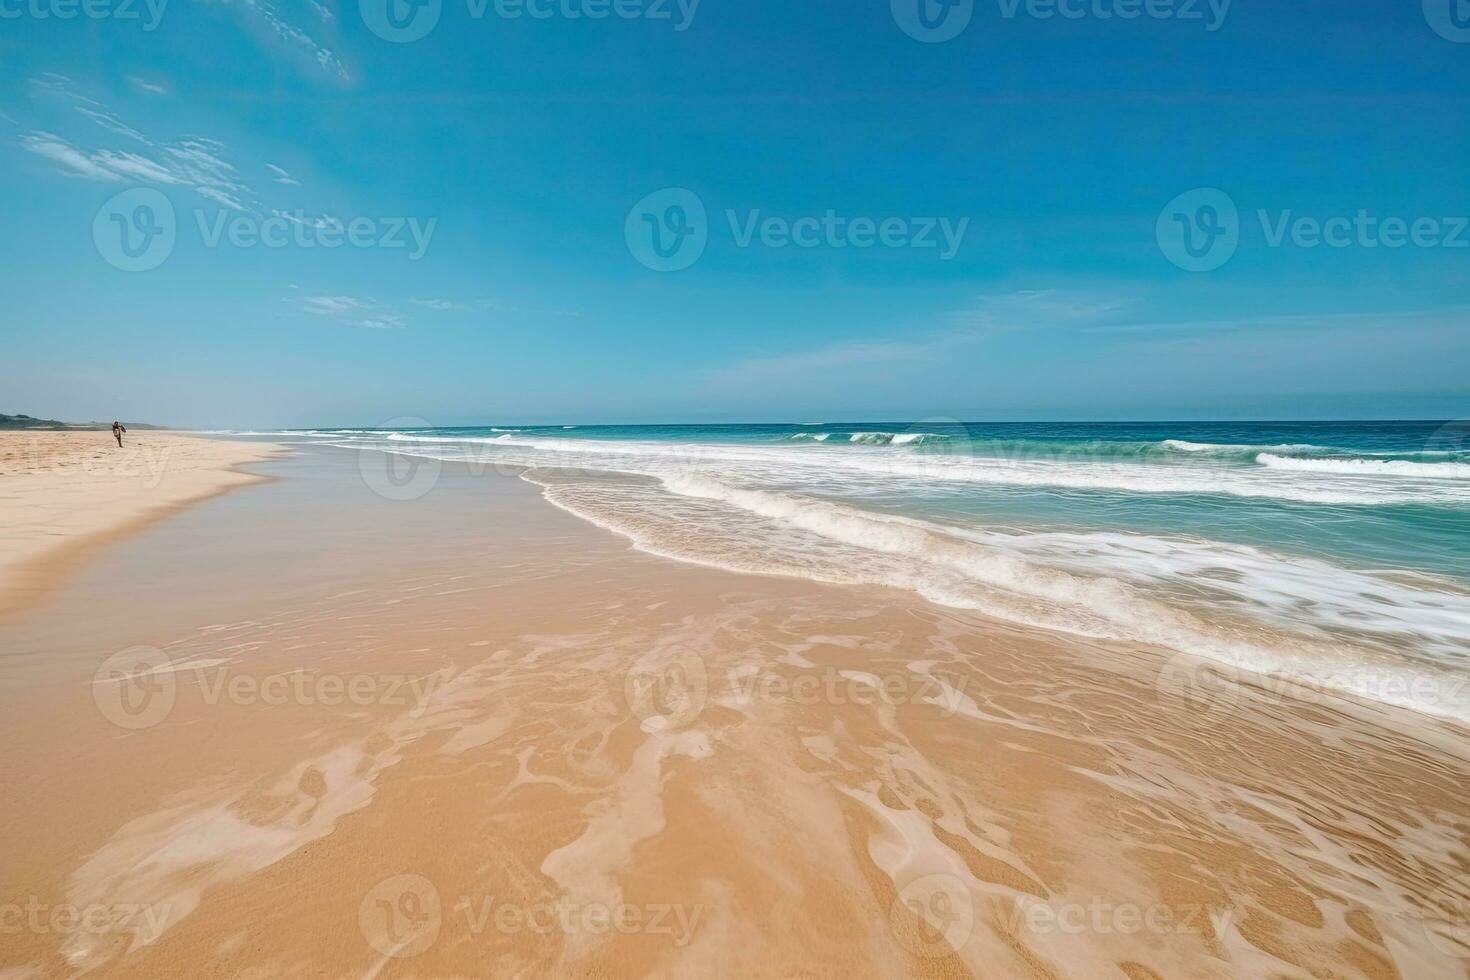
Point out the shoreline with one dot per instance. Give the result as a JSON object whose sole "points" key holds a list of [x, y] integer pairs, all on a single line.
{"points": [[816, 767], [67, 494]]}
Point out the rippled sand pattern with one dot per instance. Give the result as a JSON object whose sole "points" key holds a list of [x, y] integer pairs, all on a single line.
{"points": [[605, 764]]}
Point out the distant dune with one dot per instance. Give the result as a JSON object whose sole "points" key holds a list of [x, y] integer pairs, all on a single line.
{"points": [[27, 422]]}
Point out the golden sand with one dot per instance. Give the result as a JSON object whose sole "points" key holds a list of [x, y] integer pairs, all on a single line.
{"points": [[467, 735], [62, 492]]}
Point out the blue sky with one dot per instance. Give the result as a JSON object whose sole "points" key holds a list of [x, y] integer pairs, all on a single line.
{"points": [[518, 145]]}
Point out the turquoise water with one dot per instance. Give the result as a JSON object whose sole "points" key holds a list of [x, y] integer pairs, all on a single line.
{"points": [[1336, 553]]}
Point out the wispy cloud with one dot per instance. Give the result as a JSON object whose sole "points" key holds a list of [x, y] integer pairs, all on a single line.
{"points": [[195, 162], [71, 161], [281, 176], [354, 311], [263, 14], [152, 88], [488, 305], [335, 305], [110, 122], [190, 163], [319, 222]]}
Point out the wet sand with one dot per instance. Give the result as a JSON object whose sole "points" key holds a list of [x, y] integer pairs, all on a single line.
{"points": [[63, 494], [307, 729]]}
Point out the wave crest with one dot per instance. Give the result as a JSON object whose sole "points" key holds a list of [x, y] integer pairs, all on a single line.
{"points": [[896, 438], [1367, 467]]}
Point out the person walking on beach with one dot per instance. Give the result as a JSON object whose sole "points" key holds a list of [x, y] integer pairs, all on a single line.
{"points": [[117, 430]]}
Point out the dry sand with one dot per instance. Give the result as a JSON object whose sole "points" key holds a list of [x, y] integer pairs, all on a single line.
{"points": [[329, 734], [64, 492]]}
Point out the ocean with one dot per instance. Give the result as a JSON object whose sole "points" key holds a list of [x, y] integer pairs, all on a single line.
{"points": [[1334, 555]]}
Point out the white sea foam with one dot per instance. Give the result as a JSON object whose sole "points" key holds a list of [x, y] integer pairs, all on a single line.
{"points": [[821, 466], [717, 504], [894, 438], [1235, 449], [258, 432], [813, 436], [411, 437], [1368, 467], [1307, 620]]}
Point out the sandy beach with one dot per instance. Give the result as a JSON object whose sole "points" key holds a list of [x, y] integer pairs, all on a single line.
{"points": [[65, 492], [302, 728]]}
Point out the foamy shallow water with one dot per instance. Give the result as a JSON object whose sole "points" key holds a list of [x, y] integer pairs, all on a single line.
{"points": [[1335, 555]]}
